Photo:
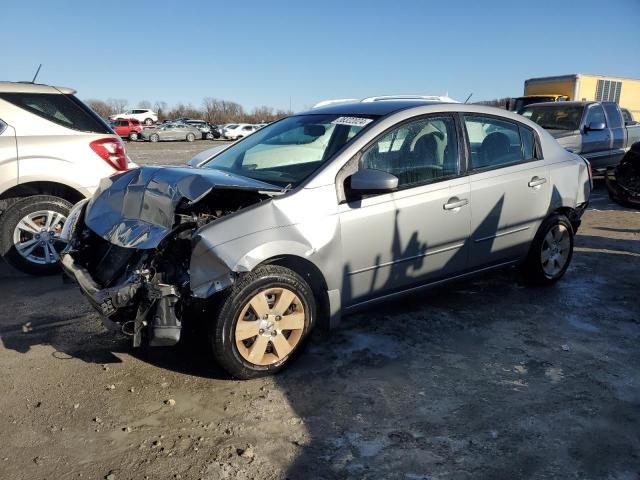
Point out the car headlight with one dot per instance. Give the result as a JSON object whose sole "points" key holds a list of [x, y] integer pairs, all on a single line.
{"points": [[68, 230]]}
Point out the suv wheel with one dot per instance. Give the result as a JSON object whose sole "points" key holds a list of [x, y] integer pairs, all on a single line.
{"points": [[262, 322], [29, 233], [154, 137], [148, 121], [190, 137], [133, 136], [550, 252]]}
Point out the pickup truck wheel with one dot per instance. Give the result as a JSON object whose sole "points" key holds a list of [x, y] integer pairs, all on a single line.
{"points": [[154, 137], [133, 136], [550, 252], [209, 136], [190, 137], [29, 233], [262, 322], [148, 121]]}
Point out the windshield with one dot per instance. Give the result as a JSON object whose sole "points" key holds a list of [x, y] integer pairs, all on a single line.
{"points": [[522, 102], [289, 151], [556, 117]]}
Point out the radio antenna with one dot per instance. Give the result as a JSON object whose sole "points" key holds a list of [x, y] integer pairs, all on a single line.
{"points": [[468, 97], [36, 75]]}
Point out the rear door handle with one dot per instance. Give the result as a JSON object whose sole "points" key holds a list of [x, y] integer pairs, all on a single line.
{"points": [[454, 203], [537, 181]]}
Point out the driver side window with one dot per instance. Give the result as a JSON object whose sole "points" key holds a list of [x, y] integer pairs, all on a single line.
{"points": [[595, 114], [418, 152]]}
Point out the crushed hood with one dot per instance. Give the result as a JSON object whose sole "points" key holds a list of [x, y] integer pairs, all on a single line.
{"points": [[136, 209]]}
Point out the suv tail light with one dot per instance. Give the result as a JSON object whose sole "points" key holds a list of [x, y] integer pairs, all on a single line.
{"points": [[111, 150]]}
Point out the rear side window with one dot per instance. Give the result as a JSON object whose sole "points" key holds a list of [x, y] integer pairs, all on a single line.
{"points": [[526, 136], [493, 142], [65, 110], [614, 117]]}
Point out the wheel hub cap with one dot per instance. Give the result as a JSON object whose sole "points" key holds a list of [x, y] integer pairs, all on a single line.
{"points": [[269, 326], [555, 250]]}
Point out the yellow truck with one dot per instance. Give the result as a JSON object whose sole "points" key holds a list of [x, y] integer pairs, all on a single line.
{"points": [[582, 87]]}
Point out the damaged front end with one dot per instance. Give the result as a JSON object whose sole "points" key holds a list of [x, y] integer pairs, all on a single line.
{"points": [[129, 247], [623, 181]]}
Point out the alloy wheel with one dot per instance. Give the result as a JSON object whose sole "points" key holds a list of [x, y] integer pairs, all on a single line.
{"points": [[270, 326], [35, 235], [555, 251]]}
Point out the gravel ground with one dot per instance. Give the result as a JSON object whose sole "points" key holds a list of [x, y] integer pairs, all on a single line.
{"points": [[484, 379]]}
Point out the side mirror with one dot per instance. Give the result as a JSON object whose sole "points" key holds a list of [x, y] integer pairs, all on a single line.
{"points": [[368, 181], [595, 126]]}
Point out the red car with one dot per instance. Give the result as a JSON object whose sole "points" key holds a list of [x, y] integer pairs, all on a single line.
{"points": [[127, 128]]}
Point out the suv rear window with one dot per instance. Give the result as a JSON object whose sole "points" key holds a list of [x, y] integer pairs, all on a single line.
{"points": [[63, 109]]}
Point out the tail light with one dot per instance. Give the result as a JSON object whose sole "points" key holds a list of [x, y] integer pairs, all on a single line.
{"points": [[111, 150]]}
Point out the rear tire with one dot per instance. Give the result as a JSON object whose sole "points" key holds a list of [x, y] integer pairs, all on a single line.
{"points": [[33, 213], [133, 136], [270, 348], [550, 252], [154, 137], [190, 137], [148, 121]]}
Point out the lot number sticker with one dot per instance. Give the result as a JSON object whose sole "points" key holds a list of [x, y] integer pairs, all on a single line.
{"points": [[352, 121]]}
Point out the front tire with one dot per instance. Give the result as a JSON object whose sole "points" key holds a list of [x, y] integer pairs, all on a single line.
{"points": [[550, 252], [154, 137], [29, 230], [148, 121], [133, 136], [262, 322], [190, 137]]}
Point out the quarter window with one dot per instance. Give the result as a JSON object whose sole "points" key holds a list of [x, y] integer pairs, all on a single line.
{"points": [[493, 142], [418, 152], [526, 136]]}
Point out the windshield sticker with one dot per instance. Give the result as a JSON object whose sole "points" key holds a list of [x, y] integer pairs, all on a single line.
{"points": [[353, 121]]}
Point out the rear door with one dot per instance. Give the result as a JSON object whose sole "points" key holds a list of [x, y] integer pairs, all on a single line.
{"points": [[510, 189], [617, 130], [8, 157]]}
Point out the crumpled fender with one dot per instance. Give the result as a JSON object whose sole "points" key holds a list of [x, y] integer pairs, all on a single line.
{"points": [[217, 259]]}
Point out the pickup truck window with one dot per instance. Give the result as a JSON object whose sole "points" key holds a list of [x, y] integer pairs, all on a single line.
{"points": [[595, 114], [614, 119], [554, 117]]}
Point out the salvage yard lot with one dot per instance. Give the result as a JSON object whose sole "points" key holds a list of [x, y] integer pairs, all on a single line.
{"points": [[483, 379]]}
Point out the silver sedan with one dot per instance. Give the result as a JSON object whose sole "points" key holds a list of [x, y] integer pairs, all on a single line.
{"points": [[171, 131]]}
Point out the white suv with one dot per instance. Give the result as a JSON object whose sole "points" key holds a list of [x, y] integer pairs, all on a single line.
{"points": [[236, 131], [143, 115], [53, 152]]}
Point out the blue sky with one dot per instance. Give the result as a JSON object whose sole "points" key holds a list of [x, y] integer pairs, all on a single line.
{"points": [[271, 53]]}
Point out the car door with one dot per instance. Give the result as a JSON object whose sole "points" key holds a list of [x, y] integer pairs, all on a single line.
{"points": [[414, 235], [8, 157], [168, 132], [617, 132], [596, 144], [510, 189]]}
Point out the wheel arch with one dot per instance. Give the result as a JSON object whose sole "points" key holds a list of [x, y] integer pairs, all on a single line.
{"points": [[313, 276], [43, 188], [570, 213]]}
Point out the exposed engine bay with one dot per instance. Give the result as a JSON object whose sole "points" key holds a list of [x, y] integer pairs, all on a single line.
{"points": [[129, 248]]}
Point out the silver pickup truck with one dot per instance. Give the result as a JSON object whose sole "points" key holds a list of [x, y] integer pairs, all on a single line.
{"points": [[595, 130]]}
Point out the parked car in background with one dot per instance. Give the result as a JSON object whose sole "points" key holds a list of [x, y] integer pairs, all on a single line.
{"points": [[238, 131], [595, 130], [127, 128], [143, 115], [171, 131], [53, 152], [270, 238], [204, 127]]}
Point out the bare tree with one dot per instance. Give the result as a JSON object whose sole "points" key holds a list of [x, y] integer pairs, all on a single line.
{"points": [[100, 107], [144, 104], [160, 108], [118, 105]]}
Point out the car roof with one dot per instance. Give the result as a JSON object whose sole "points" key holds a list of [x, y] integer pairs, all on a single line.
{"points": [[382, 107], [27, 87]]}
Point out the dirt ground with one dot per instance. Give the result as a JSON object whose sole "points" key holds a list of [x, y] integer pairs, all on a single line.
{"points": [[484, 379]]}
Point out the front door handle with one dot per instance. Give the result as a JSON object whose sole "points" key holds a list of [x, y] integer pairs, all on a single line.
{"points": [[537, 181], [454, 203]]}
